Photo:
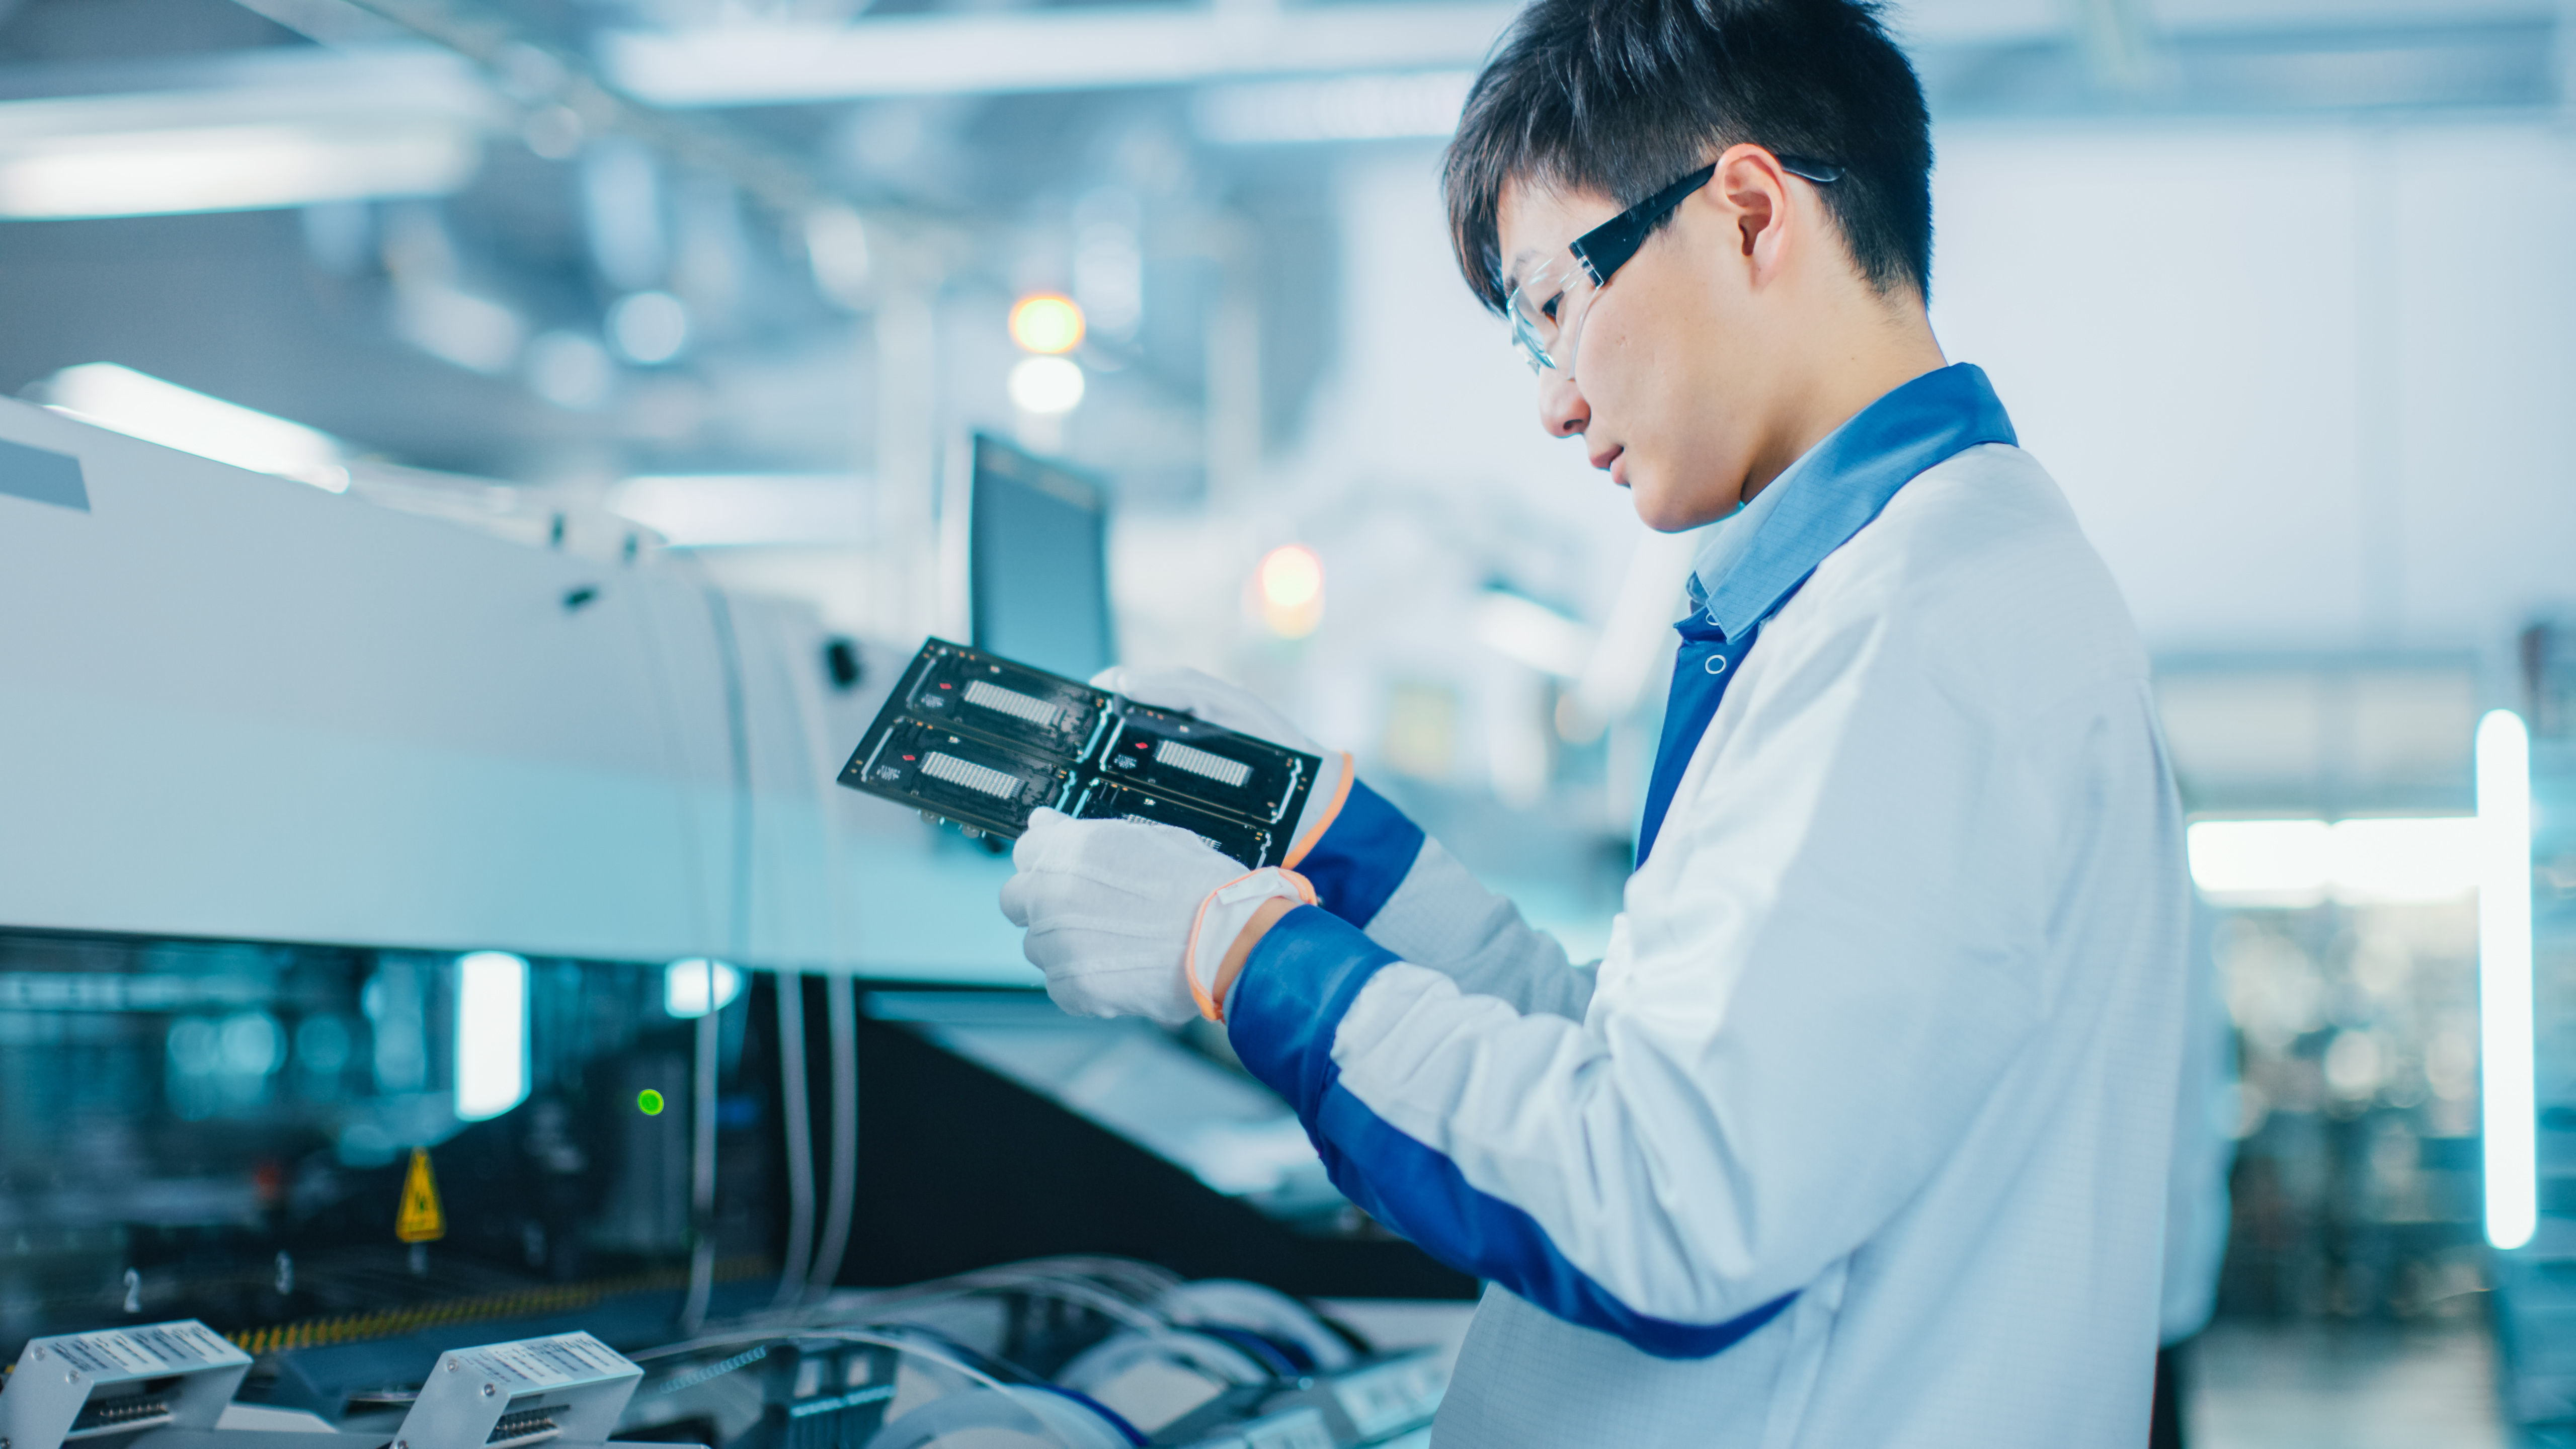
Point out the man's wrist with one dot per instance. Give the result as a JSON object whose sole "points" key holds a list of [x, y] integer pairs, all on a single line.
{"points": [[1267, 916], [1230, 922]]}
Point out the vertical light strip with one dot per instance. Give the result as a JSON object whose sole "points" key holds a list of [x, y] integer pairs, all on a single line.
{"points": [[491, 1034], [2504, 979]]}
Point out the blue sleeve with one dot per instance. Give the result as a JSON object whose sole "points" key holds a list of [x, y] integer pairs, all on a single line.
{"points": [[1363, 856], [1287, 1005]]}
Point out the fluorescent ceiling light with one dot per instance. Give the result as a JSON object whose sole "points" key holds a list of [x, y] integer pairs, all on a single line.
{"points": [[2504, 980], [719, 510], [685, 986], [2298, 863], [2261, 862], [143, 406], [1343, 108], [239, 168], [1055, 49], [1532, 633], [491, 1034], [252, 135], [2400, 860]]}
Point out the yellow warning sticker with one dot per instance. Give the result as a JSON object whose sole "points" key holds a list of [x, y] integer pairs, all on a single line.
{"points": [[421, 1220]]}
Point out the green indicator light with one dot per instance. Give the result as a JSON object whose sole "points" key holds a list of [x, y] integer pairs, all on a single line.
{"points": [[650, 1102]]}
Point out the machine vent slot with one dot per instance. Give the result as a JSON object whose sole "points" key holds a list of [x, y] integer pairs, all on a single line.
{"points": [[527, 1426], [973, 776], [987, 695], [1229, 773], [119, 1415]]}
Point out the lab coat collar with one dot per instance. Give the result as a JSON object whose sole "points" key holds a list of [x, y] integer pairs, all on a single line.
{"points": [[1756, 557]]}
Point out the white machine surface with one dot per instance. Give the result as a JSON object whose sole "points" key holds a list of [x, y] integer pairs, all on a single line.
{"points": [[117, 1382], [234, 706], [170, 1386], [570, 1386]]}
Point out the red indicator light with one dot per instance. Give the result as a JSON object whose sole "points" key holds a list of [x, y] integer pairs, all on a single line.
{"points": [[907, 759]]}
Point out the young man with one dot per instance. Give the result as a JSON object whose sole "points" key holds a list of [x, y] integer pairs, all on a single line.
{"points": [[1858, 1135]]}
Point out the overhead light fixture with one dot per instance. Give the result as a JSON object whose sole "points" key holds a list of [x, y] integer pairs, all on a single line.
{"points": [[140, 405], [1047, 322], [1049, 387], [240, 168], [1291, 584], [491, 1034], [274, 132], [2298, 863], [1046, 48], [2505, 1047], [1337, 108]]}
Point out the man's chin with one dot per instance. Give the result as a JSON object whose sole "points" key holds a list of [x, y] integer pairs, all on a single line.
{"points": [[1664, 513]]}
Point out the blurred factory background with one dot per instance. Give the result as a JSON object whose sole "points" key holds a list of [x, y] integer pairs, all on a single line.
{"points": [[725, 291]]}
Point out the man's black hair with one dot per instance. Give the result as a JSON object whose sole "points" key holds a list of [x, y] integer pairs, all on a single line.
{"points": [[1621, 97]]}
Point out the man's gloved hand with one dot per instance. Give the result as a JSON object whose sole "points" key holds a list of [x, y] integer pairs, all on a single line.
{"points": [[1132, 919], [1219, 703]]}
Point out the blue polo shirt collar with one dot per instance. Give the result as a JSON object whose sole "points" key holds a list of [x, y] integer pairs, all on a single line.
{"points": [[1758, 556]]}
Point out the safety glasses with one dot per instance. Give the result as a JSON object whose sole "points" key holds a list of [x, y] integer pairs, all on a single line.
{"points": [[1547, 306]]}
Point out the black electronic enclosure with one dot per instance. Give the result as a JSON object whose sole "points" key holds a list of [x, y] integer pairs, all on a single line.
{"points": [[976, 739]]}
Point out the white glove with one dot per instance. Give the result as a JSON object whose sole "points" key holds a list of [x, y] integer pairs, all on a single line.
{"points": [[1209, 698], [1132, 919], [1222, 704]]}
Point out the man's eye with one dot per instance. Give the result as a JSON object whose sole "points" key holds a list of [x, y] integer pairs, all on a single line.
{"points": [[1551, 304]]}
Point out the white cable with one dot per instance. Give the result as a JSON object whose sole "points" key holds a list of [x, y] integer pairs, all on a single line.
{"points": [[900, 1342], [799, 1125], [840, 995], [821, 767], [702, 1165], [1077, 1291], [840, 1005], [702, 1155], [652, 644]]}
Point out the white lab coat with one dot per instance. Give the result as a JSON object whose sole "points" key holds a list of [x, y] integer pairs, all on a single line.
{"points": [[2197, 1204], [1890, 1021]]}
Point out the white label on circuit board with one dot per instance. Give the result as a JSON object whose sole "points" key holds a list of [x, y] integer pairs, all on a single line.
{"points": [[994, 697], [973, 776]]}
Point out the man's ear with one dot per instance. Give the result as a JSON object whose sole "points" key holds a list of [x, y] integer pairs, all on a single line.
{"points": [[1755, 193]]}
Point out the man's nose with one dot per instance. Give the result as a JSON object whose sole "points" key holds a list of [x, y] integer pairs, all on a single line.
{"points": [[1561, 408]]}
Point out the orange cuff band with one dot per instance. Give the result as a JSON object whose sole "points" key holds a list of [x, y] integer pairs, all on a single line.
{"points": [[1208, 990], [1332, 812]]}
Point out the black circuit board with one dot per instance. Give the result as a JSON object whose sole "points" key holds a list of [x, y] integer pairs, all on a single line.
{"points": [[980, 741]]}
